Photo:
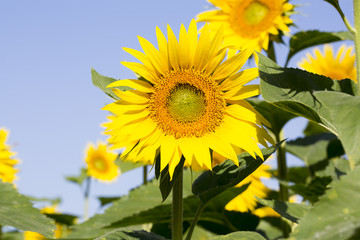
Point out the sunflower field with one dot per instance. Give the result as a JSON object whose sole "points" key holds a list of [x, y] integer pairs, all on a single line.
{"points": [[200, 117]]}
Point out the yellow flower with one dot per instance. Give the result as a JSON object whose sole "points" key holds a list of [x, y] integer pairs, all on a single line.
{"points": [[246, 201], [248, 23], [28, 235], [101, 163], [336, 67], [188, 102], [7, 163]]}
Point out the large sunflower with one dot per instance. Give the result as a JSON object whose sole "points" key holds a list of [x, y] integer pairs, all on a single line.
{"points": [[189, 102], [248, 23], [7, 162], [336, 67], [101, 162]]}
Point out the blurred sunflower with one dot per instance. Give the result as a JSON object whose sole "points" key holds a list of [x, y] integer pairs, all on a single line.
{"points": [[7, 163], [187, 102], [100, 162], [246, 201], [249, 23], [336, 67], [28, 235]]}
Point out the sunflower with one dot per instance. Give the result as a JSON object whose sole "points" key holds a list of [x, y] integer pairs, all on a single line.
{"points": [[249, 23], [7, 163], [188, 102], [101, 162], [336, 67], [246, 201]]}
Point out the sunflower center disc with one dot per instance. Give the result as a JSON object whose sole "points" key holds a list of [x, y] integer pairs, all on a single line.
{"points": [[99, 164], [186, 103], [256, 12]]}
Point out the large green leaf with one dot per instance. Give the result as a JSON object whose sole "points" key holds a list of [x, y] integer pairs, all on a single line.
{"points": [[306, 39], [214, 212], [290, 211], [240, 236], [314, 97], [315, 149], [130, 235], [16, 210], [336, 215], [276, 116], [227, 175], [313, 190], [138, 200]]}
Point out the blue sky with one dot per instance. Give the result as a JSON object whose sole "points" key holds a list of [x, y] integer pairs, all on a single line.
{"points": [[47, 100]]}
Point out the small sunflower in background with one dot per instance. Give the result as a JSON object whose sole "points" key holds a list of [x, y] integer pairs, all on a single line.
{"points": [[100, 163], [249, 23], [246, 201], [189, 102], [7, 162], [339, 66]]}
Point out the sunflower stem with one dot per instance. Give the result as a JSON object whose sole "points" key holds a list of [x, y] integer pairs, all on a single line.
{"points": [[356, 34], [145, 181], [86, 198], [282, 174], [271, 51], [1, 234], [194, 222], [177, 208]]}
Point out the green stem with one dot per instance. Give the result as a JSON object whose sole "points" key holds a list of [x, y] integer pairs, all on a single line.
{"points": [[1, 232], [145, 181], [282, 174], [357, 40], [177, 208], [194, 222], [86, 198], [271, 51]]}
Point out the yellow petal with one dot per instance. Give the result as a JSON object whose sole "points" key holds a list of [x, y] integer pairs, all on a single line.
{"points": [[153, 54], [173, 48]]}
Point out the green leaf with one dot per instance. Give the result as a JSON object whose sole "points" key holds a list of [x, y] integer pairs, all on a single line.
{"points": [[276, 116], [336, 215], [67, 219], [214, 212], [313, 190], [166, 185], [130, 235], [16, 210], [102, 82], [306, 39], [13, 236], [290, 211], [126, 166], [315, 149], [106, 200], [313, 128], [138, 200], [314, 97], [240, 236], [227, 175], [336, 168], [78, 179]]}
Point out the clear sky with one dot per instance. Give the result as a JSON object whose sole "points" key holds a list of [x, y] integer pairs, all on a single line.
{"points": [[47, 99]]}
